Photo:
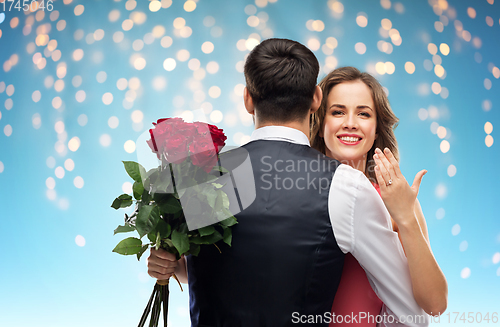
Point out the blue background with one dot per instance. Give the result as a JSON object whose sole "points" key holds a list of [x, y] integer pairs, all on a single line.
{"points": [[48, 277]]}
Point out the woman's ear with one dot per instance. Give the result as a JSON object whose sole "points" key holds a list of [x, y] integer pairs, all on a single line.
{"points": [[247, 98], [318, 96]]}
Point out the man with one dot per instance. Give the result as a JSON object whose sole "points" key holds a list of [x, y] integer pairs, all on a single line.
{"points": [[288, 248]]}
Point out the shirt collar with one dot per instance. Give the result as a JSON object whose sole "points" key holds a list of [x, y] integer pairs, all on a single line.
{"points": [[280, 133]]}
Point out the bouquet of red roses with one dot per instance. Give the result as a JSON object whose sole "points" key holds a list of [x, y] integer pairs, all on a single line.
{"points": [[180, 205]]}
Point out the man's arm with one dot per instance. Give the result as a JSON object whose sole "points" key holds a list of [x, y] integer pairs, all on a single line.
{"points": [[362, 226]]}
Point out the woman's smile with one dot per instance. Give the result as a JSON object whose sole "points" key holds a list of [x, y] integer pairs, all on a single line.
{"points": [[350, 123]]}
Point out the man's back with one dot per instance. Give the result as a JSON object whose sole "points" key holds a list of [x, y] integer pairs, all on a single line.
{"points": [[284, 262]]}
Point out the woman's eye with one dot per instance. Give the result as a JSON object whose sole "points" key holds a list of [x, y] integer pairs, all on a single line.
{"points": [[367, 115], [337, 112]]}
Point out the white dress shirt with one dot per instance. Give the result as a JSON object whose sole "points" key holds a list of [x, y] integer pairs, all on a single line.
{"points": [[362, 226]]}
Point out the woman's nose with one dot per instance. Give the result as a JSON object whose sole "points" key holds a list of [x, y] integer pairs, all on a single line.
{"points": [[350, 122]]}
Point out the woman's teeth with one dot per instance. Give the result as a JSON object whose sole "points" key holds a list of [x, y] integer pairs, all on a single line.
{"points": [[350, 139]]}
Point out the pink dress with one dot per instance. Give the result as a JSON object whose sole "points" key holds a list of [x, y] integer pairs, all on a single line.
{"points": [[355, 295]]}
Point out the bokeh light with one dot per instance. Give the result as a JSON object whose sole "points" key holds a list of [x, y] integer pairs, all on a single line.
{"points": [[80, 241], [169, 64], [488, 127], [465, 273], [105, 140], [74, 144], [78, 182], [409, 67], [129, 146]]}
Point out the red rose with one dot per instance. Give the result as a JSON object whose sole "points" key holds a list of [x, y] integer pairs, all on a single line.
{"points": [[159, 133], [217, 134], [175, 148], [218, 137], [203, 152], [201, 128], [170, 136]]}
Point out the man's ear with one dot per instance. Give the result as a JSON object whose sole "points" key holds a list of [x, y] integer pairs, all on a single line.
{"points": [[318, 96], [247, 98]]}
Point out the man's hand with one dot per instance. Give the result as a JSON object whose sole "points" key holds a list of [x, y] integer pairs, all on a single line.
{"points": [[161, 264]]}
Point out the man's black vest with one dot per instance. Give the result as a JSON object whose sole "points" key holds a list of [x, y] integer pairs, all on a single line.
{"points": [[284, 264]]}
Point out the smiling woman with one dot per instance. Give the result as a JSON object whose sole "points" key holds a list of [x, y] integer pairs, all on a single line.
{"points": [[349, 97], [352, 124]]}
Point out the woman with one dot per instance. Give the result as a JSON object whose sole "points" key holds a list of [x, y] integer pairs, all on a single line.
{"points": [[352, 124]]}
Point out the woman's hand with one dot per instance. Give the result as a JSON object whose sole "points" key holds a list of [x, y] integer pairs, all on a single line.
{"points": [[399, 197]]}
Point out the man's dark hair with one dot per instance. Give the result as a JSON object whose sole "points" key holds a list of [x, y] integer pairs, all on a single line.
{"points": [[281, 78]]}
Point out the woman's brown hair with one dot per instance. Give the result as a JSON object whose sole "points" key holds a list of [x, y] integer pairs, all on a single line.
{"points": [[386, 119]]}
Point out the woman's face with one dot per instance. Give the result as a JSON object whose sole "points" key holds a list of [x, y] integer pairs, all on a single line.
{"points": [[350, 123]]}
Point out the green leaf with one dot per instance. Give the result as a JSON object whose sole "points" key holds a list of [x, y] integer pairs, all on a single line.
{"points": [[147, 218], [163, 228], [152, 237], [129, 246], [214, 238], [180, 241], [219, 203], [163, 183], [183, 228], [225, 199], [179, 214], [211, 196], [146, 197], [143, 249], [194, 205], [229, 221], [194, 249], [169, 243], [122, 201], [138, 189], [161, 198], [152, 176], [172, 205], [208, 230], [124, 229], [134, 170], [210, 239], [125, 197], [228, 236], [217, 185]]}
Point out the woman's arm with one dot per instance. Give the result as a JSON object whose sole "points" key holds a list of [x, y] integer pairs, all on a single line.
{"points": [[421, 220], [429, 284]]}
